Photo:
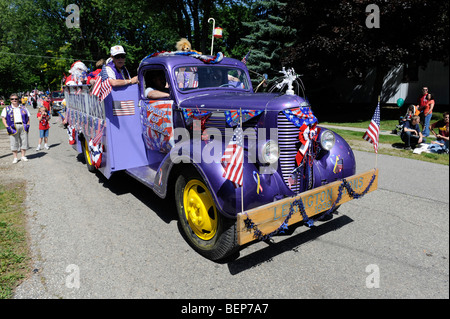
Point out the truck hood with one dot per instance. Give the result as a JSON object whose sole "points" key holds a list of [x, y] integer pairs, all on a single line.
{"points": [[247, 101]]}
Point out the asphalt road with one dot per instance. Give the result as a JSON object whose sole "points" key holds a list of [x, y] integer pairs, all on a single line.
{"points": [[98, 238]]}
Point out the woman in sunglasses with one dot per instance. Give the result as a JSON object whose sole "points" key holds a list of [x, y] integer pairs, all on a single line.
{"points": [[115, 67], [16, 119]]}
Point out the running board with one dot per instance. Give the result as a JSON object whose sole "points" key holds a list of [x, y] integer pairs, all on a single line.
{"points": [[144, 174]]}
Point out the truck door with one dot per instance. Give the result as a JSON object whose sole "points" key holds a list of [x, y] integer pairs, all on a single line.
{"points": [[157, 113]]}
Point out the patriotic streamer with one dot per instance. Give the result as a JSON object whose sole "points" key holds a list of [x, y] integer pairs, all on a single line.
{"points": [[232, 117], [95, 151], [204, 58], [71, 133], [191, 114], [300, 116]]}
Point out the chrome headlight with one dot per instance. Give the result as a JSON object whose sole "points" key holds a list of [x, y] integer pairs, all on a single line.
{"points": [[327, 140], [270, 152]]}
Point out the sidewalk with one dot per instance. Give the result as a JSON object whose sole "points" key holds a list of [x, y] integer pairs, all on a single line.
{"points": [[356, 129], [363, 130]]}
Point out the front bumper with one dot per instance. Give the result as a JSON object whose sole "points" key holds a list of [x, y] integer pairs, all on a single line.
{"points": [[259, 222]]}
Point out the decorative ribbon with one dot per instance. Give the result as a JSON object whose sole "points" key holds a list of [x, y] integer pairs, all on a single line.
{"points": [[338, 165], [257, 234], [258, 182], [305, 136]]}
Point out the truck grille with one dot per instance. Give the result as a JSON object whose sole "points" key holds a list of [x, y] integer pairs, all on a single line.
{"points": [[287, 142]]}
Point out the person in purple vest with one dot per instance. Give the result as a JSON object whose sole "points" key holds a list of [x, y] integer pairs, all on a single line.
{"points": [[115, 67], [16, 119]]}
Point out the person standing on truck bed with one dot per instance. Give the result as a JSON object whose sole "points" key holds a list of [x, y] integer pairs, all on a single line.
{"points": [[115, 67]]}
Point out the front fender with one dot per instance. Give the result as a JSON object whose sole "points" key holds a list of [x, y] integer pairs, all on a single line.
{"points": [[258, 189], [334, 165]]}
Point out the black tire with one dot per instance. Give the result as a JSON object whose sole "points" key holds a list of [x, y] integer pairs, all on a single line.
{"points": [[219, 239], [87, 156]]}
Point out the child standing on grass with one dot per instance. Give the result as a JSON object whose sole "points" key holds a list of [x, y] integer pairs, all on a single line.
{"points": [[44, 127]]}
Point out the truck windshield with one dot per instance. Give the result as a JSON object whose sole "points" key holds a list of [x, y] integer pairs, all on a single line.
{"points": [[191, 78]]}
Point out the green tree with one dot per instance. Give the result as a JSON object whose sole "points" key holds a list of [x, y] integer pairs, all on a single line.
{"points": [[333, 39], [269, 37], [36, 46]]}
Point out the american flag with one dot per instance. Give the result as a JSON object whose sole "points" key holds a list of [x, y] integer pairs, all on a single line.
{"points": [[373, 132], [99, 133], [102, 87], [233, 158], [244, 59], [123, 108]]}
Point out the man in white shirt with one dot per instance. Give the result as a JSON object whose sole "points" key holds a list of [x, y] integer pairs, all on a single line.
{"points": [[16, 119], [115, 68]]}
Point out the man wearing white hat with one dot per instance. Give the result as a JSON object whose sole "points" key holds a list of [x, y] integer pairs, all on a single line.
{"points": [[115, 67]]}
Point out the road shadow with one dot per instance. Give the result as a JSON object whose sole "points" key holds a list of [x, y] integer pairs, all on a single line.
{"points": [[36, 155], [121, 183], [267, 254], [399, 146]]}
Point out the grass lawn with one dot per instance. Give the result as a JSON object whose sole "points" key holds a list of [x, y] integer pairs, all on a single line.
{"points": [[354, 139], [13, 240], [390, 142]]}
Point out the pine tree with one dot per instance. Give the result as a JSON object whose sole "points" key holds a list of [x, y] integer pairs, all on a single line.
{"points": [[268, 37]]}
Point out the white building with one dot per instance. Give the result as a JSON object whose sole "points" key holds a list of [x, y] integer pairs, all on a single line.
{"points": [[435, 76]]}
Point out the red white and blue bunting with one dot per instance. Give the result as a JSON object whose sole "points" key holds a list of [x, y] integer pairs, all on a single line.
{"points": [[204, 58], [232, 117], [300, 115]]}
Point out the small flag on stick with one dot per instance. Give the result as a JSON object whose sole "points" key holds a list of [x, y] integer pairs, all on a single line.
{"points": [[373, 132], [102, 86], [233, 158], [245, 58]]}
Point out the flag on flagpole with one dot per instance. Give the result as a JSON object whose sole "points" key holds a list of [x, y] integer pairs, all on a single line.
{"points": [[245, 58], [233, 158], [373, 132], [102, 86]]}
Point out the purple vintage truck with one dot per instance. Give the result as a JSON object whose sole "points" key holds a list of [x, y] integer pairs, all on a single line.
{"points": [[290, 169]]}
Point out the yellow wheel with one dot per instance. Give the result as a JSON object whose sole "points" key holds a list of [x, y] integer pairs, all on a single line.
{"points": [[200, 210], [204, 227], [87, 156]]}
